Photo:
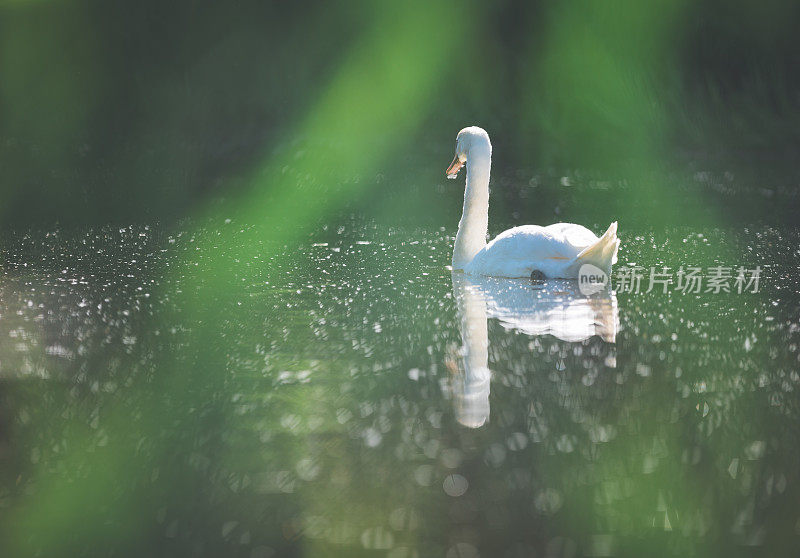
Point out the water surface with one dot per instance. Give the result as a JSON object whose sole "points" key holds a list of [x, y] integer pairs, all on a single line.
{"points": [[351, 396]]}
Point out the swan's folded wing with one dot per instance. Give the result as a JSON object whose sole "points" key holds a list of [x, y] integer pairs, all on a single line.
{"points": [[529, 243], [577, 236], [517, 251]]}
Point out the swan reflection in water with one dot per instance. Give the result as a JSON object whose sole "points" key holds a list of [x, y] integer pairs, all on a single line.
{"points": [[553, 307]]}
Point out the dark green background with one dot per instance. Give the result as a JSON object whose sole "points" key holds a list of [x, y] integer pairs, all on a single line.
{"points": [[132, 111]]}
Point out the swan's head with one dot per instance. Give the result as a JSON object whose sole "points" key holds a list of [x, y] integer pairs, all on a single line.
{"points": [[471, 142]]}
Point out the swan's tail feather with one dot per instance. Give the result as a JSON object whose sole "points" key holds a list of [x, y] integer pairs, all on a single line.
{"points": [[602, 253]]}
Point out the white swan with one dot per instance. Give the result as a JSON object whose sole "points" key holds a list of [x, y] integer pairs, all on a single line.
{"points": [[555, 251]]}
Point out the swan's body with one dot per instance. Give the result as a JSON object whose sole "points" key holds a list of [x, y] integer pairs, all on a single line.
{"points": [[555, 251], [520, 251]]}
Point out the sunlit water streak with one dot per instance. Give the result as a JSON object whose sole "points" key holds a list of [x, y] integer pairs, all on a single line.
{"points": [[372, 401]]}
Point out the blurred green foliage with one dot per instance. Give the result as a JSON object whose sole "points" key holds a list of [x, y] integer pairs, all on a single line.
{"points": [[284, 116]]}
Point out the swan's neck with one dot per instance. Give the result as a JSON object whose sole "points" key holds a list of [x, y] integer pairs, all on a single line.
{"points": [[474, 224]]}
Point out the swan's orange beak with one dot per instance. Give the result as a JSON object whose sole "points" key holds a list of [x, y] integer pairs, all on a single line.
{"points": [[454, 167]]}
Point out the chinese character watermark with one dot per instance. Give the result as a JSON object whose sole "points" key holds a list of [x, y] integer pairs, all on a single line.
{"points": [[714, 279]]}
